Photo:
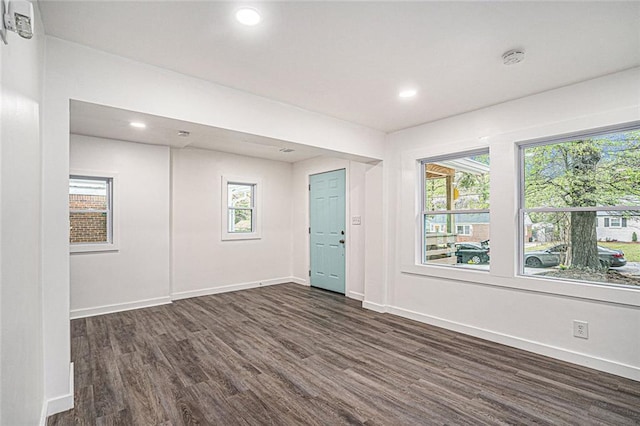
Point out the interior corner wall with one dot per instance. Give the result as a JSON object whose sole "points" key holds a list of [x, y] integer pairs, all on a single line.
{"points": [[21, 348], [375, 264], [355, 235], [137, 274], [497, 306], [356, 239]]}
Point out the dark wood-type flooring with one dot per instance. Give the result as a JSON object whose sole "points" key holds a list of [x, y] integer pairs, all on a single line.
{"points": [[291, 355]]}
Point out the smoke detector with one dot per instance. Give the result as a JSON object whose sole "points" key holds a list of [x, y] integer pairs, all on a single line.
{"points": [[513, 57]]}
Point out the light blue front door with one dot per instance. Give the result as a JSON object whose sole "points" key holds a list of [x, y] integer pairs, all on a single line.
{"points": [[327, 219]]}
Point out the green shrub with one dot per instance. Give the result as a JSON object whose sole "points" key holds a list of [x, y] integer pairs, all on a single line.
{"points": [[634, 237]]}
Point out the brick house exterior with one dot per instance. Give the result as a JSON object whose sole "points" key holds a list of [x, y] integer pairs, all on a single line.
{"points": [[87, 226], [479, 232]]}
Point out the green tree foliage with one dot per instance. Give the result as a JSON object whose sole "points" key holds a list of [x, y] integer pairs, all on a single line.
{"points": [[473, 188], [240, 202], [597, 172]]}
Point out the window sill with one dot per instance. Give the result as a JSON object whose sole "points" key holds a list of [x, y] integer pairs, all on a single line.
{"points": [[449, 272], [240, 237], [609, 293], [93, 248]]}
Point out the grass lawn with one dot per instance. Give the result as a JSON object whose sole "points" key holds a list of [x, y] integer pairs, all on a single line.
{"points": [[631, 250], [538, 246]]}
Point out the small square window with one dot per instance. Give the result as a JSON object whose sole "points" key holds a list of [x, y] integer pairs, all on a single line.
{"points": [[91, 219], [463, 229]]}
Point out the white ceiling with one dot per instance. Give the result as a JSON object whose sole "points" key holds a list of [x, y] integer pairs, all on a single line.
{"points": [[113, 123], [349, 59]]}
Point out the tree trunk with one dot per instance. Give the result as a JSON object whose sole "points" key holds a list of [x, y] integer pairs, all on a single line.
{"points": [[584, 240]]}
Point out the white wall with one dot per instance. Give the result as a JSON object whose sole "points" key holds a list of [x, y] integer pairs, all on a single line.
{"points": [[81, 73], [21, 372], [138, 273], [201, 262], [355, 206], [530, 313]]}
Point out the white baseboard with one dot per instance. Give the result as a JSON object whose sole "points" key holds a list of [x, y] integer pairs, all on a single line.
{"points": [[43, 413], [374, 307], [585, 360], [300, 281], [60, 403], [231, 287], [356, 295], [119, 307], [127, 306]]}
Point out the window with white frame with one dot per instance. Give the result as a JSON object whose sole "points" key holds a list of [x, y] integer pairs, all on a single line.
{"points": [[567, 182], [615, 222], [240, 209], [455, 210], [463, 229], [91, 216], [240, 205]]}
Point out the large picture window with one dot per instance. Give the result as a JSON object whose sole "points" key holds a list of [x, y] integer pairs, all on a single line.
{"points": [[580, 207], [455, 210], [90, 211]]}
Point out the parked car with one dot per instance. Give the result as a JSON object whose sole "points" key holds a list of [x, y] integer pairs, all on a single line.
{"points": [[474, 253], [609, 257], [541, 259]]}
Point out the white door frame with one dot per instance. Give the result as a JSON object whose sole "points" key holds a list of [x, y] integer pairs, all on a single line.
{"points": [[339, 164]]}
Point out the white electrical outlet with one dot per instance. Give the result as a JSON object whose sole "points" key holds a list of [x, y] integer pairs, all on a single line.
{"points": [[581, 329], [356, 220]]}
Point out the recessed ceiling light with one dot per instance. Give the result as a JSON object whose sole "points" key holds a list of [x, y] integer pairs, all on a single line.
{"points": [[286, 150], [408, 93], [137, 124], [248, 16], [183, 133]]}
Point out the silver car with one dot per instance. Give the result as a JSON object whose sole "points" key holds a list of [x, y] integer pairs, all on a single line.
{"points": [[541, 259], [608, 257]]}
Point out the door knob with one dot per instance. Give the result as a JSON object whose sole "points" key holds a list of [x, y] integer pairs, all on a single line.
{"points": [[341, 241]]}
